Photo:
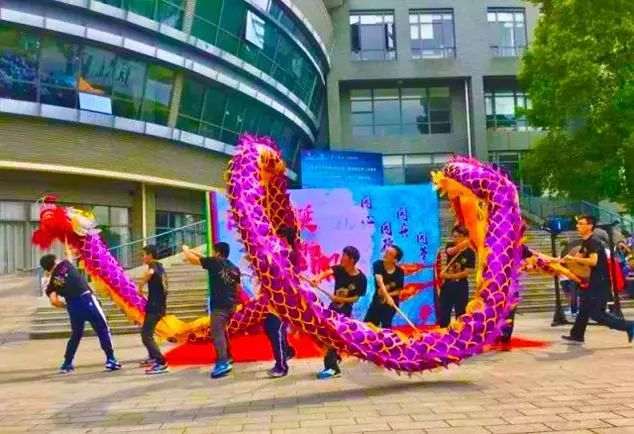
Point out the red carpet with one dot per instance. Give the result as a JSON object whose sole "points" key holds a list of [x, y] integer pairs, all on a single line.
{"points": [[517, 343], [253, 348]]}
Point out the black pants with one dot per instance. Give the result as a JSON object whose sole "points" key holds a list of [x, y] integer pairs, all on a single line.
{"points": [[331, 359], [453, 296], [147, 336], [84, 308], [594, 308], [380, 314], [507, 330], [276, 331]]}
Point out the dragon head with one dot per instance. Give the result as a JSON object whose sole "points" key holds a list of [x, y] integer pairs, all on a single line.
{"points": [[63, 224]]}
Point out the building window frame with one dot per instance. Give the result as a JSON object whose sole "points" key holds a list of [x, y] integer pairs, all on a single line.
{"points": [[381, 18], [514, 123], [504, 18], [364, 119], [420, 19]]}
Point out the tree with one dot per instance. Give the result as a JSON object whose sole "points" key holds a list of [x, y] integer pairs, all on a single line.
{"points": [[579, 73]]}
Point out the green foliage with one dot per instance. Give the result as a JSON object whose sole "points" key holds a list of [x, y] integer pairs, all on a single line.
{"points": [[579, 73]]}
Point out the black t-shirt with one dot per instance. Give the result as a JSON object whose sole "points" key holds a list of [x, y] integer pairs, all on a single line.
{"points": [[465, 259], [66, 281], [392, 281], [224, 277], [599, 275], [347, 285], [157, 286]]}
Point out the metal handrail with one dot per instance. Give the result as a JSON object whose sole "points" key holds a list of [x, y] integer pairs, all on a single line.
{"points": [[602, 214], [202, 224], [162, 234]]}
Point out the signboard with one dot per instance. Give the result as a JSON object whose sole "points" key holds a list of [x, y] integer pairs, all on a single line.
{"points": [[332, 169]]}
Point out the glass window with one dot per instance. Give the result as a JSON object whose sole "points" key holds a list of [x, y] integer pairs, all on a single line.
{"points": [[158, 92], [146, 8], [251, 117], [204, 30], [97, 71], [170, 12], [188, 124], [116, 3], [18, 64], [192, 99], [246, 32], [400, 111], [254, 32], [209, 11], [509, 162], [215, 102], [386, 107], [129, 80], [233, 17], [266, 120], [372, 36], [58, 72], [439, 110], [501, 109], [102, 216], [14, 211], [213, 111], [507, 33], [234, 114], [206, 19], [414, 107], [119, 216], [432, 34]]}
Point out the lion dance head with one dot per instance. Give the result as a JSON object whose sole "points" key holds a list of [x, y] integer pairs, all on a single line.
{"points": [[64, 224]]}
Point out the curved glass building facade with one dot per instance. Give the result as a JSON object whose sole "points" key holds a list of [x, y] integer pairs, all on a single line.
{"points": [[136, 105], [277, 89]]}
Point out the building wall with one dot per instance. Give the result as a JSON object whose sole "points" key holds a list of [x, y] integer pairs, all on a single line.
{"points": [[41, 141], [472, 64]]}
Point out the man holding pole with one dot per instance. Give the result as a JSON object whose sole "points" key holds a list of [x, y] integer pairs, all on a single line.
{"points": [[389, 279], [454, 294], [350, 284]]}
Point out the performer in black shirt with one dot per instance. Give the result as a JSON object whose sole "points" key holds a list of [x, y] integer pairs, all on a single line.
{"points": [[155, 309], [225, 281], [389, 279], [454, 293], [593, 300], [350, 284], [81, 304]]}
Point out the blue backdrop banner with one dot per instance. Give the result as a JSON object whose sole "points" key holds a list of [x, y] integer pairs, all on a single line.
{"points": [[371, 219]]}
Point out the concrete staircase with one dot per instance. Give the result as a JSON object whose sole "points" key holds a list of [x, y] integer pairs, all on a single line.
{"points": [[187, 299]]}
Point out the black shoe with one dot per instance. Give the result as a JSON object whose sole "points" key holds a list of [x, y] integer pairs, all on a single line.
{"points": [[572, 339], [290, 353], [630, 333]]}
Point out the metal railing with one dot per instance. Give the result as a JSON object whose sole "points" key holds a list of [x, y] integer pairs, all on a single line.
{"points": [[130, 254], [601, 214], [168, 243], [549, 207]]}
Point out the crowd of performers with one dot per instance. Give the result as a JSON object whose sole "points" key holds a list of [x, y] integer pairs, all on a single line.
{"points": [[349, 284]]}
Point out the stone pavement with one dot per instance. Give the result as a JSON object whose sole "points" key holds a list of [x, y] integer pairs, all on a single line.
{"points": [[563, 388]]}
